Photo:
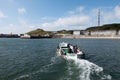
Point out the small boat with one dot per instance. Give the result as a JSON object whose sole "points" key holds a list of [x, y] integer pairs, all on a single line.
{"points": [[68, 51]]}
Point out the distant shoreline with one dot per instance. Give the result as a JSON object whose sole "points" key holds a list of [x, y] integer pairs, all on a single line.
{"points": [[72, 37], [101, 37], [92, 37]]}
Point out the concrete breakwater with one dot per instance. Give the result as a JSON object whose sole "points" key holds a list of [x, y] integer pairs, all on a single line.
{"points": [[9, 36], [89, 36]]}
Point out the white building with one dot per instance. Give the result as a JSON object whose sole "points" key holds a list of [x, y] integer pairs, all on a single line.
{"points": [[119, 32], [103, 33], [25, 36], [78, 32]]}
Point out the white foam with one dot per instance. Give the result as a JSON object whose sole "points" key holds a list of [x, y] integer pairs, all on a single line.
{"points": [[21, 77], [108, 77], [87, 68]]}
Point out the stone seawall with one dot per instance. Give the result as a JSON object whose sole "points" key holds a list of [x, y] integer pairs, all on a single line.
{"points": [[94, 37]]}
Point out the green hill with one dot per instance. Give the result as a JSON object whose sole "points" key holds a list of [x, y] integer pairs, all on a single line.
{"points": [[65, 32], [39, 32], [105, 27], [42, 32]]}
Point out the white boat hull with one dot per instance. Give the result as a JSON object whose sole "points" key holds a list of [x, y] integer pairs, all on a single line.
{"points": [[63, 52]]}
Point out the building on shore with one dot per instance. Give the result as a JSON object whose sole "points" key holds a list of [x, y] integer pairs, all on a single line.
{"points": [[25, 36], [78, 32], [94, 34], [118, 32], [103, 33]]}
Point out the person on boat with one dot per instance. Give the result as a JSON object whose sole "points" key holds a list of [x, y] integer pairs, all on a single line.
{"points": [[75, 49], [69, 48], [78, 50]]}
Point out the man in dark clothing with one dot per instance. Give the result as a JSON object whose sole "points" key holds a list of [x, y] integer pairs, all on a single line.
{"points": [[75, 49]]}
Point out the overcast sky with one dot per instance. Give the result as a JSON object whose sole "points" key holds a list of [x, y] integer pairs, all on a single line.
{"points": [[21, 16]]}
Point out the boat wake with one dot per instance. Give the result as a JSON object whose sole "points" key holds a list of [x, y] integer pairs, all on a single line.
{"points": [[75, 69], [86, 70]]}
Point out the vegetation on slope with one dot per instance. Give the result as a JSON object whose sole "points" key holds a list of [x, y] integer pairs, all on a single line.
{"points": [[105, 27], [65, 32], [42, 32], [39, 32]]}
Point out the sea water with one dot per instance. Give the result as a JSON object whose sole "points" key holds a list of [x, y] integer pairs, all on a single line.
{"points": [[36, 59]]}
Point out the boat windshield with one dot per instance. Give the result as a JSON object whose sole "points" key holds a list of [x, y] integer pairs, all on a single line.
{"points": [[65, 50]]}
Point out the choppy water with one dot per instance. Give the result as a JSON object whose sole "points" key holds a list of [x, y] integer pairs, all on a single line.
{"points": [[36, 59]]}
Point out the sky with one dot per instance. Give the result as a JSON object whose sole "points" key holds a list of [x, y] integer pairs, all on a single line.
{"points": [[21, 16]]}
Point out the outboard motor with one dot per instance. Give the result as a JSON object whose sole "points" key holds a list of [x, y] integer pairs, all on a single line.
{"points": [[81, 56]]}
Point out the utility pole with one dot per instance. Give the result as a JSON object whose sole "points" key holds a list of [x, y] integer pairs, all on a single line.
{"points": [[98, 17]]}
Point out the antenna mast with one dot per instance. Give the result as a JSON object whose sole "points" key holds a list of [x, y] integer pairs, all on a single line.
{"points": [[99, 17]]}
